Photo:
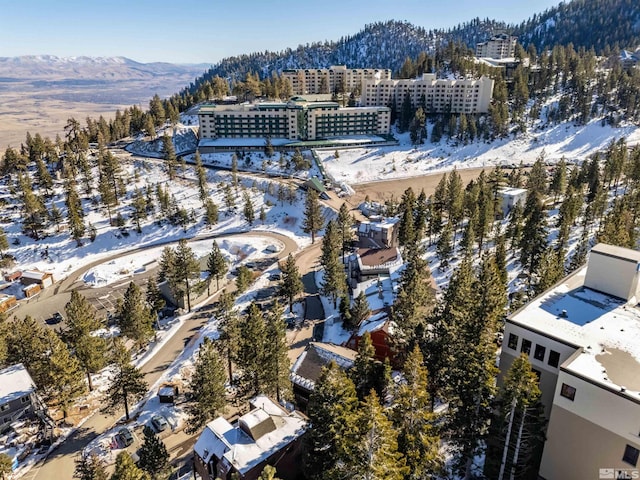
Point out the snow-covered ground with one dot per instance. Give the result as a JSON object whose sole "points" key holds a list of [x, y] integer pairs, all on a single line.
{"points": [[575, 143]]}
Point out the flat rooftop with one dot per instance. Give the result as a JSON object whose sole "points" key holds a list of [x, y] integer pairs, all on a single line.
{"points": [[604, 328]]}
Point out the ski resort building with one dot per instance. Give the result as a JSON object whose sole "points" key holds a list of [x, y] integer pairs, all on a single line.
{"points": [[267, 435], [499, 46], [435, 95], [332, 79], [289, 122], [582, 337]]}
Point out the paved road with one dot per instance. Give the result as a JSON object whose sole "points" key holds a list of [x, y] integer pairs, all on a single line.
{"points": [[60, 464]]}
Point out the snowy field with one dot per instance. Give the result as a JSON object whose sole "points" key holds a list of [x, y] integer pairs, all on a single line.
{"points": [[575, 143]]}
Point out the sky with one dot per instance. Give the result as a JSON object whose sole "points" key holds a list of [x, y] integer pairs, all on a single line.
{"points": [[206, 31]]}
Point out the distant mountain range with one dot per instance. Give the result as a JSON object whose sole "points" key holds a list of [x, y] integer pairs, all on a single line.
{"points": [[52, 68]]}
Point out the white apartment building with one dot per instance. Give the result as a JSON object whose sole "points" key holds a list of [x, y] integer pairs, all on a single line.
{"points": [[582, 337], [437, 95], [326, 80], [291, 121], [499, 46]]}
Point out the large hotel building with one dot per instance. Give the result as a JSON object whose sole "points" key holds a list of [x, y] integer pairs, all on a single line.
{"points": [[582, 337], [327, 80], [293, 120], [437, 95]]}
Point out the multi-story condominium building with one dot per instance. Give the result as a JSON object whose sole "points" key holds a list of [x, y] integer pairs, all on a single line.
{"points": [[329, 80], [434, 94], [582, 337], [292, 121], [499, 46]]}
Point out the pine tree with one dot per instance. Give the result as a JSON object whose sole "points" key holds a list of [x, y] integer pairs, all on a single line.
{"points": [[206, 387], [249, 213], [234, 170], [127, 385], [313, 220], [26, 343], [243, 278], [373, 454], [276, 363], [216, 265], [126, 469], [444, 247], [364, 368], [187, 269], [268, 473], [252, 352], [4, 243], [414, 421], [169, 156], [359, 311], [82, 320], [519, 424], [139, 205], [229, 327], [334, 280], [534, 233], [263, 215], [75, 214], [201, 173], [211, 212], [332, 407], [88, 467], [134, 318], [345, 224], [154, 458], [559, 180], [6, 466], [65, 379], [291, 282]]}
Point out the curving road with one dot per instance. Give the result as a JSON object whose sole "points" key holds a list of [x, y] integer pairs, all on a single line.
{"points": [[60, 463]]}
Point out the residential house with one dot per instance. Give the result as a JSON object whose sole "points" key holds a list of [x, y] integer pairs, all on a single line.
{"points": [[307, 368], [7, 302], [380, 327], [582, 337], [36, 277], [374, 263], [378, 233], [17, 395], [267, 435]]}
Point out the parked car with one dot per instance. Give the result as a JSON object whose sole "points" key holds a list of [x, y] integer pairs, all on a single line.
{"points": [[159, 423], [55, 319], [125, 436]]}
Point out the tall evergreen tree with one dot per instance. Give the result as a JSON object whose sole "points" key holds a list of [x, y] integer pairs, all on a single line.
{"points": [[252, 352], [201, 174], [249, 212], [332, 406], [154, 457], [134, 318], [89, 467], [65, 379], [291, 282], [364, 371], [415, 422], [187, 269], [359, 311], [81, 320], [334, 281], [345, 223], [127, 385], [170, 158], [229, 327], [206, 387], [313, 220], [276, 362], [126, 469], [216, 265]]}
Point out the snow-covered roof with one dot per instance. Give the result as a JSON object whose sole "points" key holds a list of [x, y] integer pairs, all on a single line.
{"points": [[34, 274], [512, 191], [380, 321], [604, 329], [15, 382], [233, 445], [307, 368], [380, 292]]}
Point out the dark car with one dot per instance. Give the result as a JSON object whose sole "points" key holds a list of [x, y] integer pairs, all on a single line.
{"points": [[125, 436], [55, 319]]}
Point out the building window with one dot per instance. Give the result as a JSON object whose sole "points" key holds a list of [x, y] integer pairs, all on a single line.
{"points": [[554, 358], [4, 407], [526, 346], [539, 352], [567, 391], [25, 399], [513, 341], [630, 455]]}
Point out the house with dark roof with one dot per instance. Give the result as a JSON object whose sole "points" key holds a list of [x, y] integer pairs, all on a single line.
{"points": [[308, 367], [266, 435]]}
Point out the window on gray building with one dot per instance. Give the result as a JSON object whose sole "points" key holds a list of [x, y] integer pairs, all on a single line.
{"points": [[630, 455], [554, 358], [567, 391], [513, 341], [539, 352], [526, 346]]}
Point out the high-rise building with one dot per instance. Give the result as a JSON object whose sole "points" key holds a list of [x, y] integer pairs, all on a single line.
{"points": [[337, 78], [434, 94], [499, 46]]}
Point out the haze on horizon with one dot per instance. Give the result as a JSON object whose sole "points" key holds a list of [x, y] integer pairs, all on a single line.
{"points": [[191, 31]]}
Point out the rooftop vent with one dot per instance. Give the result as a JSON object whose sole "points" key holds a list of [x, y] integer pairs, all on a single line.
{"points": [[564, 314]]}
